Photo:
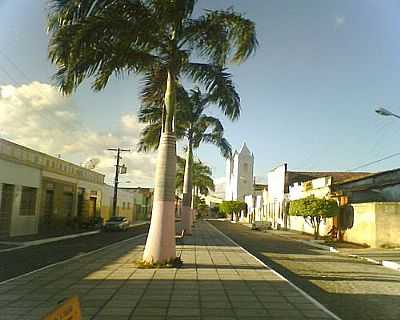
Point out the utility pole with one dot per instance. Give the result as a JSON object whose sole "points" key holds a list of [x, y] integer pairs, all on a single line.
{"points": [[117, 172]]}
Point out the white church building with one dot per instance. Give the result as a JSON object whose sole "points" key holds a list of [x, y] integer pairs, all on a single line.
{"points": [[239, 174]]}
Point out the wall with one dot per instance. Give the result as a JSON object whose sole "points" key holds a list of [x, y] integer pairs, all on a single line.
{"points": [[387, 215], [376, 224], [364, 228]]}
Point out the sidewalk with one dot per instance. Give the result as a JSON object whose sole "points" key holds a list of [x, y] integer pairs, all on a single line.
{"points": [[219, 280]]}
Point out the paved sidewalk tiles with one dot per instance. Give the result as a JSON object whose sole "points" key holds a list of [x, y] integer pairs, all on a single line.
{"points": [[219, 280]]}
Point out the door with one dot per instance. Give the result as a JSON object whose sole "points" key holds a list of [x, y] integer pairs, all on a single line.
{"points": [[68, 204], [6, 206], [92, 207]]}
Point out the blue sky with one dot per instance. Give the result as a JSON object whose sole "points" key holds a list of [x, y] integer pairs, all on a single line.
{"points": [[308, 94]]}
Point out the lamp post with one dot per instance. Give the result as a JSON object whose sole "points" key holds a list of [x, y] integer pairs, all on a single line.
{"points": [[385, 112]]}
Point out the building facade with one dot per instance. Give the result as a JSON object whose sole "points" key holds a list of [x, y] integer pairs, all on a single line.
{"points": [[142, 201], [239, 174], [41, 193]]}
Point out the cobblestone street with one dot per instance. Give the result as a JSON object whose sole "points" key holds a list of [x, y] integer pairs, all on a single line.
{"points": [[351, 288], [218, 281]]}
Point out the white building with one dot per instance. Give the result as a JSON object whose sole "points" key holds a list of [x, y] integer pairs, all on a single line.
{"points": [[41, 193], [239, 174]]}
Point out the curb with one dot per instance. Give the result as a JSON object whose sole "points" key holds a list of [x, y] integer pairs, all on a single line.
{"points": [[301, 291], [319, 246], [391, 265]]}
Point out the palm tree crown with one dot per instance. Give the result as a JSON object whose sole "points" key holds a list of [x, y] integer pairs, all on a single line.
{"points": [[191, 123], [97, 38], [202, 176]]}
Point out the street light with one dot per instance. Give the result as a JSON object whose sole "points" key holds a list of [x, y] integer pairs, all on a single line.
{"points": [[385, 112]]}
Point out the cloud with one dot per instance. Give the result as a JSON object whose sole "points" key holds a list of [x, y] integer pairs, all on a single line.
{"points": [[37, 116], [219, 187], [339, 21]]}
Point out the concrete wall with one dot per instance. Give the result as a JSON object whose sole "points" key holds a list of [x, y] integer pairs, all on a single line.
{"points": [[387, 215], [363, 230]]}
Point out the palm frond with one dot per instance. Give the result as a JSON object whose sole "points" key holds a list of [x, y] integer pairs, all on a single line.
{"points": [[222, 35], [218, 83], [100, 38]]}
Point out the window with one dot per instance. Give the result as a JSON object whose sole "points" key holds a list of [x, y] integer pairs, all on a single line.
{"points": [[7, 199], [28, 202]]}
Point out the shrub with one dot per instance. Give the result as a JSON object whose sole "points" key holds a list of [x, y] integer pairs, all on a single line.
{"points": [[314, 210]]}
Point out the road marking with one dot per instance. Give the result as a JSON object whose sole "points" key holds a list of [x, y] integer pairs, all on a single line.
{"points": [[302, 292], [78, 256]]}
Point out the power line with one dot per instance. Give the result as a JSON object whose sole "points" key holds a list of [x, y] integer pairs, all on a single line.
{"points": [[376, 161], [15, 66], [8, 75]]}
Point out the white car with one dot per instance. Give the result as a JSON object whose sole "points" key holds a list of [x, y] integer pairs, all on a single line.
{"points": [[116, 224]]}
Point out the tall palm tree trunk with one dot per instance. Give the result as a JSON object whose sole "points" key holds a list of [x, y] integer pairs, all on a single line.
{"points": [[187, 192], [160, 244], [194, 210]]}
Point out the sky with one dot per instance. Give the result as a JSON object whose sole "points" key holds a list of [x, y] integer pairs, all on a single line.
{"points": [[308, 94]]}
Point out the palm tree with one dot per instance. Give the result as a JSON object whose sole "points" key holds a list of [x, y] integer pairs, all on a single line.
{"points": [[202, 180], [157, 39], [194, 125], [202, 176]]}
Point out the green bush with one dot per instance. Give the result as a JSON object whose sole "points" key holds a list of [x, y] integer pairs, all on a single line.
{"points": [[314, 210], [232, 207]]}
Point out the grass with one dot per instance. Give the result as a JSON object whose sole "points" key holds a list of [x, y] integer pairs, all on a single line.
{"points": [[173, 263]]}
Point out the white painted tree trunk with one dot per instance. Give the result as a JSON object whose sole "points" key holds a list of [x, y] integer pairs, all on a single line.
{"points": [[160, 243], [187, 220]]}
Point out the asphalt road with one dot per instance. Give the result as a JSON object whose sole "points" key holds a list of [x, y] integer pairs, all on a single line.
{"points": [[351, 288], [17, 262]]}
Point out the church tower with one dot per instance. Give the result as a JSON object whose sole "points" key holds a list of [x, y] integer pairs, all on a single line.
{"points": [[239, 174]]}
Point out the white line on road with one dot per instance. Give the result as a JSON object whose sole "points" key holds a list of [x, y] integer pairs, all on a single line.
{"points": [[305, 294]]}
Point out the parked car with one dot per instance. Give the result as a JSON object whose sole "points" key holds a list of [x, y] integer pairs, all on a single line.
{"points": [[116, 224]]}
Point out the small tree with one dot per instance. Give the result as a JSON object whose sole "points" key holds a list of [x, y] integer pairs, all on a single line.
{"points": [[232, 207], [314, 210]]}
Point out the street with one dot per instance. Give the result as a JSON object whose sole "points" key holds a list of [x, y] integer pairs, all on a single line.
{"points": [[351, 288], [17, 262]]}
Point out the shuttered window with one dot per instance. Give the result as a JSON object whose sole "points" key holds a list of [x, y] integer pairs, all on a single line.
{"points": [[28, 201]]}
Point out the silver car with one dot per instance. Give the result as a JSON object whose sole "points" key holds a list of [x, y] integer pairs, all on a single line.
{"points": [[116, 224]]}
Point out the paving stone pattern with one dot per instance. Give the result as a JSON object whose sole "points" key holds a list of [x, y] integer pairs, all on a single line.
{"points": [[218, 281]]}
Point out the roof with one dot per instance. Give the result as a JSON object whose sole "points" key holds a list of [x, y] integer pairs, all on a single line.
{"points": [[301, 176], [260, 186], [371, 175]]}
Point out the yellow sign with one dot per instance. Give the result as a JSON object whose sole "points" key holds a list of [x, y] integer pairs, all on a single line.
{"points": [[70, 309]]}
